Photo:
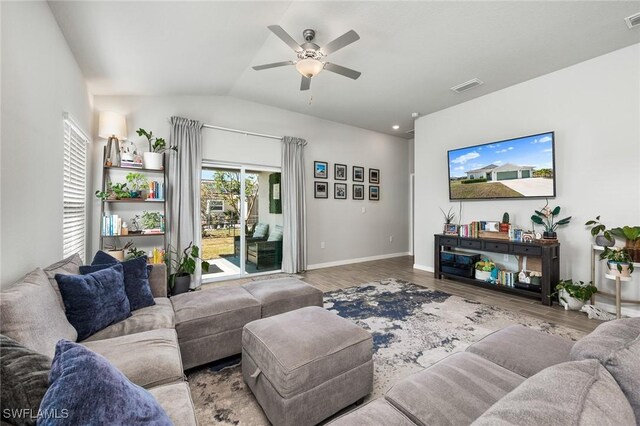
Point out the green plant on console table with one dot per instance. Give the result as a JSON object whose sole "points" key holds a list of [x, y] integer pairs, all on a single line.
{"points": [[151, 220], [485, 265], [619, 256], [546, 218], [449, 216], [578, 290]]}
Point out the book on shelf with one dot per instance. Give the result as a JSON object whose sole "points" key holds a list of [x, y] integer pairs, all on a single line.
{"points": [[111, 225], [156, 191], [152, 231], [130, 164]]}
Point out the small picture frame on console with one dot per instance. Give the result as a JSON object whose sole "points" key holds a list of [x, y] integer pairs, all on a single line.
{"points": [[450, 229]]}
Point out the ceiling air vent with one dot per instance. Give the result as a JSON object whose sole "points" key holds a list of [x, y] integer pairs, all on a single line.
{"points": [[467, 85], [633, 20], [410, 132]]}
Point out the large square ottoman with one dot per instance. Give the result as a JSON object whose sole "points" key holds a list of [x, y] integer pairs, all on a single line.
{"points": [[305, 365], [282, 295]]}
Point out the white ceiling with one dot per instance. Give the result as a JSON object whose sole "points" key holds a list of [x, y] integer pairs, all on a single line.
{"points": [[410, 53]]}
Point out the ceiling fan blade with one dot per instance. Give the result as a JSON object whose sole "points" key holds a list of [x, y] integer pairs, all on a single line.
{"points": [[347, 72], [342, 41], [284, 36], [273, 65], [305, 84]]}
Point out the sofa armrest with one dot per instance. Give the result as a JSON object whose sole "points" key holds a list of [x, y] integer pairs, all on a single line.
{"points": [[158, 280]]}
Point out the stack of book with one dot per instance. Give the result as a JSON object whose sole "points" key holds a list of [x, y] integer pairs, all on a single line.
{"points": [[130, 164], [156, 191], [111, 225]]}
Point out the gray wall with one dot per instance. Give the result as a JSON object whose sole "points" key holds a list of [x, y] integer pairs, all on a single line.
{"points": [[347, 232], [40, 81], [594, 108]]}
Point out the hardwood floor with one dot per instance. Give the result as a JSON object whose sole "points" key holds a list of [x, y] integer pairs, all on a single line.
{"points": [[335, 278]]}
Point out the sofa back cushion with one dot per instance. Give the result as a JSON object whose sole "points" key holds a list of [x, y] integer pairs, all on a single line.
{"points": [[261, 230], [91, 391], [616, 344], [68, 266], [575, 393], [95, 300], [24, 375], [31, 314]]}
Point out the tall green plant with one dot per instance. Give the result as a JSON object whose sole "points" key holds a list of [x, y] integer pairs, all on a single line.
{"points": [[158, 145], [185, 262], [598, 227], [547, 218], [579, 290]]}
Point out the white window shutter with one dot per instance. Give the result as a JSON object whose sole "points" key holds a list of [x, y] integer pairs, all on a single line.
{"points": [[74, 216]]}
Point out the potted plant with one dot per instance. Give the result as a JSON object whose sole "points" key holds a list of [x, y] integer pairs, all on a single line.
{"points": [[483, 269], [504, 225], [618, 261], [183, 266], [535, 278], [631, 234], [449, 228], [153, 159], [573, 295], [546, 217], [597, 228], [136, 182], [151, 220]]}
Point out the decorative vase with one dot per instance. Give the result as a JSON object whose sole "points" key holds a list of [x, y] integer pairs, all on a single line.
{"points": [[613, 269], [549, 235], [569, 302], [181, 284], [153, 160], [483, 275], [603, 242], [134, 194]]}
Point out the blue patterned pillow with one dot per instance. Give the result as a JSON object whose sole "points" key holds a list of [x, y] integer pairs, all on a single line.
{"points": [[95, 300], [85, 389], [136, 277]]}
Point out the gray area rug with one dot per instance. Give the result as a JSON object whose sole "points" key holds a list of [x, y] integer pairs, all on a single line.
{"points": [[412, 327]]}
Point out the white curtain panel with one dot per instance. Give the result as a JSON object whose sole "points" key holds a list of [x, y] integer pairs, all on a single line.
{"points": [[294, 239], [183, 187]]}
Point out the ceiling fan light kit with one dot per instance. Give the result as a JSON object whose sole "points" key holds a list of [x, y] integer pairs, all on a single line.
{"points": [[310, 55]]}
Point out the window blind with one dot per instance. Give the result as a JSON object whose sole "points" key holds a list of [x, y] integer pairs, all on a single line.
{"points": [[74, 216]]}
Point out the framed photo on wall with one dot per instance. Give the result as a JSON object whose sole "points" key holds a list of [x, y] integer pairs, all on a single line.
{"points": [[358, 192], [340, 171], [358, 174], [340, 191], [321, 190], [374, 192], [320, 170], [374, 175]]}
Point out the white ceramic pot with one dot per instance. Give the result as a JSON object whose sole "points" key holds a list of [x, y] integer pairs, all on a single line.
{"points": [[570, 303], [613, 269], [483, 275], [153, 160]]}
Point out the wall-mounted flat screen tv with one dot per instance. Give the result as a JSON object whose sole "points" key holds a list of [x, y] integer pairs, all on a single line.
{"points": [[523, 167]]}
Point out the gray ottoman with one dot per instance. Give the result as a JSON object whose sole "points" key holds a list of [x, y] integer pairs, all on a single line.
{"points": [[305, 365], [283, 295]]}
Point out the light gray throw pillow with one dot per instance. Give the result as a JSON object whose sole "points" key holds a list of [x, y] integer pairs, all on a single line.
{"points": [[68, 266]]}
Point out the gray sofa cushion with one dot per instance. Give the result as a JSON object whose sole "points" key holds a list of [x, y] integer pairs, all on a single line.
{"points": [[148, 359], [376, 412], [67, 266], [523, 350], [571, 393], [283, 295], [616, 344], [30, 313], [455, 390], [176, 401], [24, 375], [153, 317], [208, 312], [316, 356]]}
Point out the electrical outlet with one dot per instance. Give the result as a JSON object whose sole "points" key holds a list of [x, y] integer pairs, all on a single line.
{"points": [[364, 210], [390, 238], [321, 244], [505, 257]]}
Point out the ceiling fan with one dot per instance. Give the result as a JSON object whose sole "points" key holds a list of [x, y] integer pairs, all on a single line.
{"points": [[310, 55]]}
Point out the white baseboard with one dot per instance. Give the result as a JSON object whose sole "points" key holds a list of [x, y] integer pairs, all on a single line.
{"points": [[423, 267], [625, 311], [358, 260]]}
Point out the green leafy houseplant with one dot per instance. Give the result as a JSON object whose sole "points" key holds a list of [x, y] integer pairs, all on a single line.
{"points": [[137, 182], [449, 216], [618, 256], [183, 265], [598, 228], [133, 253], [158, 145], [151, 220], [547, 218], [485, 265], [578, 290]]}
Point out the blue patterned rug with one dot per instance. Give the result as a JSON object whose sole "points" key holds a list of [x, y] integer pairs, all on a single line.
{"points": [[412, 327]]}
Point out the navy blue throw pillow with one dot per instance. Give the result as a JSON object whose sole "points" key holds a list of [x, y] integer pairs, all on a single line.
{"points": [[85, 389], [136, 277], [95, 300]]}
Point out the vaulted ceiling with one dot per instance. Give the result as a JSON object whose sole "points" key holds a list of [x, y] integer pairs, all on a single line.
{"points": [[410, 53]]}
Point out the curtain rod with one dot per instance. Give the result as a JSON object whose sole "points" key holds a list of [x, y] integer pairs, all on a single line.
{"points": [[226, 129]]}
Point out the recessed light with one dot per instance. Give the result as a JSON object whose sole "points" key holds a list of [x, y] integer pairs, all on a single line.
{"points": [[395, 127], [415, 114]]}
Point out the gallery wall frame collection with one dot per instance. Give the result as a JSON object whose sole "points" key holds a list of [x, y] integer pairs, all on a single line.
{"points": [[340, 189]]}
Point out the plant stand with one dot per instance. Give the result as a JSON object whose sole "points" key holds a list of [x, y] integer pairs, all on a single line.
{"points": [[617, 278]]}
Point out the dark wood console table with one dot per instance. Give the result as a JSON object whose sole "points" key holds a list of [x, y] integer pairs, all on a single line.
{"points": [[549, 255]]}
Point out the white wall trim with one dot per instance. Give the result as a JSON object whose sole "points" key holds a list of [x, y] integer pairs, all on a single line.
{"points": [[423, 267], [625, 311], [357, 260]]}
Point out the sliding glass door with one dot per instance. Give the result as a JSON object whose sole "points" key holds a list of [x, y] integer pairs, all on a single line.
{"points": [[241, 218]]}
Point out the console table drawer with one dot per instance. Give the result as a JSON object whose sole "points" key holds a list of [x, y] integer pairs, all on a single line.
{"points": [[471, 244], [449, 241], [497, 247], [524, 249]]}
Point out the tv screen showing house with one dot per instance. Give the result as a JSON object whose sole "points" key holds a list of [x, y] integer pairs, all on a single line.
{"points": [[523, 167]]}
